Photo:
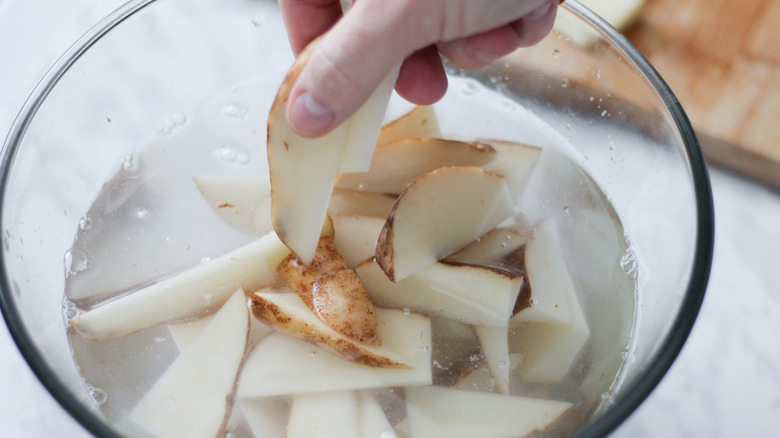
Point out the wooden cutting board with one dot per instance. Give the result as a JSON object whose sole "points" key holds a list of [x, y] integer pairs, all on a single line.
{"points": [[722, 60]]}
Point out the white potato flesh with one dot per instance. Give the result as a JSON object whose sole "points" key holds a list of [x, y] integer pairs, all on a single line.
{"points": [[191, 397], [445, 412], [190, 294], [515, 162], [288, 314], [324, 415], [480, 379], [284, 365], [303, 170], [372, 421], [443, 211], [494, 342], [351, 202], [266, 416], [364, 127], [243, 202], [355, 237], [552, 331], [417, 294], [396, 165], [492, 247], [420, 122], [183, 333]]}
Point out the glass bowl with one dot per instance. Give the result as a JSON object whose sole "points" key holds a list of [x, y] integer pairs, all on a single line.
{"points": [[139, 71]]}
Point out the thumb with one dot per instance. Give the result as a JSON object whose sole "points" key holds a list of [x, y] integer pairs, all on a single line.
{"points": [[347, 64]]}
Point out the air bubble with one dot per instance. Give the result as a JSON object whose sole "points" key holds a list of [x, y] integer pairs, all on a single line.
{"points": [[129, 163], [205, 259], [629, 265], [232, 153], [142, 213], [174, 121], [159, 339], [76, 261], [69, 309], [564, 83], [470, 89], [258, 20], [97, 395], [85, 223], [407, 311], [556, 53], [533, 302], [424, 348], [234, 110], [604, 113]]}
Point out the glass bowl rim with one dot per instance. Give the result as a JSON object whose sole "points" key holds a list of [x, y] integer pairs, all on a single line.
{"points": [[626, 402]]}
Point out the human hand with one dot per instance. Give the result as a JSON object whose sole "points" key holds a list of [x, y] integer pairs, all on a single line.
{"points": [[375, 36]]}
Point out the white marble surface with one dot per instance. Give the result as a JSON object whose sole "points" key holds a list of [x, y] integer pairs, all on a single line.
{"points": [[725, 383]]}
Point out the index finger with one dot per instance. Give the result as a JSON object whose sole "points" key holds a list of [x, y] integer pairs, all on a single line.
{"points": [[305, 20]]}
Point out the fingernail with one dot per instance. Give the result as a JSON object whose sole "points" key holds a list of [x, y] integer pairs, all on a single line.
{"points": [[308, 116], [539, 12]]}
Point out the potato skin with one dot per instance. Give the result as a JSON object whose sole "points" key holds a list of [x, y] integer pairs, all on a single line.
{"points": [[333, 292]]}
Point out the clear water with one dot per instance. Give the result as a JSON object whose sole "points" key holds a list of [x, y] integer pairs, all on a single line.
{"points": [[150, 221]]}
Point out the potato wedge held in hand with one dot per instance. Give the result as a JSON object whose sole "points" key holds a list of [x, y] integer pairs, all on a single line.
{"points": [[443, 211], [333, 292], [303, 170]]}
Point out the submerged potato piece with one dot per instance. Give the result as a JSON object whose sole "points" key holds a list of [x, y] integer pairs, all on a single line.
{"points": [[396, 165], [266, 416], [324, 414], [494, 343], [195, 292], [191, 397], [420, 122], [243, 202], [303, 170], [372, 420], [355, 237], [287, 313], [471, 295], [183, 333], [443, 211], [498, 248], [552, 331], [350, 202], [515, 162], [333, 292], [281, 364], [445, 412]]}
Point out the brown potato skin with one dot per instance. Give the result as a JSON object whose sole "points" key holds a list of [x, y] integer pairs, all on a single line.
{"points": [[333, 292]]}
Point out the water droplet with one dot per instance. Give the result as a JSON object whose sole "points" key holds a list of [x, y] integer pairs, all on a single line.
{"points": [[205, 259], [424, 348], [85, 223], [232, 153], [361, 187], [76, 261], [174, 121], [470, 89], [503, 244], [142, 213], [502, 364], [234, 110], [564, 83], [533, 302], [628, 264], [556, 53], [604, 113], [159, 339], [98, 395], [407, 311]]}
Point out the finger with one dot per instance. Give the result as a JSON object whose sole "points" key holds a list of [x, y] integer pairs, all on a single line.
{"points": [[422, 79], [308, 19], [480, 50]]}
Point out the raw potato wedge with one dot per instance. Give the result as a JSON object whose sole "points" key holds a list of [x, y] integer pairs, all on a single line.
{"points": [[191, 398], [420, 122], [288, 314], [552, 331], [422, 295], [188, 295], [281, 364], [303, 170], [333, 292], [243, 202], [266, 416], [443, 211], [324, 415], [372, 421], [355, 237], [444, 412], [515, 162], [183, 333], [397, 165], [350, 202], [494, 343]]}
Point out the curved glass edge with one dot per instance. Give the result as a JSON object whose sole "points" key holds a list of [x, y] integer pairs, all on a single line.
{"points": [[646, 381], [632, 396], [23, 339]]}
